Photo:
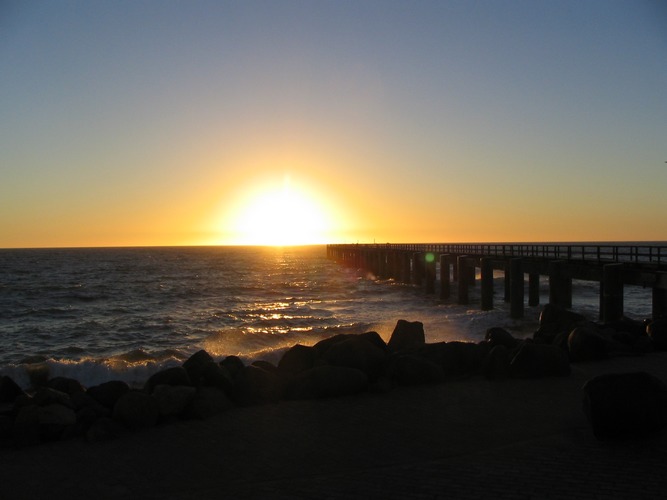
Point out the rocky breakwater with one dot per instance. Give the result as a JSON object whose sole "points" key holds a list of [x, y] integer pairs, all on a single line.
{"points": [[61, 408]]}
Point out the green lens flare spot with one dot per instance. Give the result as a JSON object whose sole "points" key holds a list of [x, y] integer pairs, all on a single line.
{"points": [[429, 257]]}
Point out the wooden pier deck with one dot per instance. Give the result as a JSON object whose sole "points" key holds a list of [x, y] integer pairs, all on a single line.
{"points": [[446, 265]]}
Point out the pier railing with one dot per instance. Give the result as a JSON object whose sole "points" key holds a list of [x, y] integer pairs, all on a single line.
{"points": [[636, 254]]}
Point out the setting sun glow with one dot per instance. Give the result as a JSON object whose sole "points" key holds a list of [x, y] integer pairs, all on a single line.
{"points": [[281, 215]]}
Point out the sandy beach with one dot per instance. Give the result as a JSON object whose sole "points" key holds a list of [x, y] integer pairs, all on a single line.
{"points": [[471, 438]]}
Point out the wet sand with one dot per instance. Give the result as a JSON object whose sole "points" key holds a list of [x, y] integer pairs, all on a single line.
{"points": [[471, 438]]}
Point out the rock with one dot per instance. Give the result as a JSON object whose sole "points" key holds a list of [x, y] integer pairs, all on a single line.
{"points": [[499, 336], [54, 419], [533, 360], [326, 381], [47, 396], [254, 385], [108, 393], [38, 373], [555, 320], [411, 369], [585, 344], [298, 358], [634, 327], [625, 405], [407, 336], [176, 375], [215, 375], [233, 365], [208, 401], [324, 344], [9, 390], [456, 358], [358, 352], [497, 363], [563, 318], [195, 365], [67, 385], [657, 332], [34, 423], [136, 410], [173, 400]]}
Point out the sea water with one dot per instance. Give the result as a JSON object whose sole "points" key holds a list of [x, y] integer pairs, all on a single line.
{"points": [[124, 313]]}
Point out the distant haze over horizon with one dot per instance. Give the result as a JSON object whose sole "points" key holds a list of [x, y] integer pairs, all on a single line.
{"points": [[289, 123]]}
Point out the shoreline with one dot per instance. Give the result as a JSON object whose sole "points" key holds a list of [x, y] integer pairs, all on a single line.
{"points": [[464, 438]]}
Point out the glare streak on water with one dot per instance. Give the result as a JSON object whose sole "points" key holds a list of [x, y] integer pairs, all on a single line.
{"points": [[122, 313]]}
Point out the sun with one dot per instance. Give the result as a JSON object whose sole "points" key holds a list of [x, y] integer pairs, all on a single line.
{"points": [[281, 215]]}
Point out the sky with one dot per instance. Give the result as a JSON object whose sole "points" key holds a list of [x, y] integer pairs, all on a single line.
{"points": [[138, 123]]}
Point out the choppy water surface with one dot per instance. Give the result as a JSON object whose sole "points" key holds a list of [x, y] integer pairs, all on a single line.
{"points": [[97, 314]]}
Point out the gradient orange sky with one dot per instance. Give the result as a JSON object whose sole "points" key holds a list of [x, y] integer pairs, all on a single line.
{"points": [[187, 123]]}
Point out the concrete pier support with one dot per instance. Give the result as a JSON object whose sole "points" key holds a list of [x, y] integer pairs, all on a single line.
{"points": [[406, 267], [418, 268], [659, 304], [463, 279], [508, 281], [487, 283], [429, 272], [560, 284], [516, 288], [533, 289], [445, 287], [611, 288]]}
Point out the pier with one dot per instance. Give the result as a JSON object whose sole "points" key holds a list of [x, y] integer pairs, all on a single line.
{"points": [[451, 269]]}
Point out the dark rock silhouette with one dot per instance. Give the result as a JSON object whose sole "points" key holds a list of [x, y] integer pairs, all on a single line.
{"points": [[625, 404], [406, 336], [136, 410], [533, 360]]}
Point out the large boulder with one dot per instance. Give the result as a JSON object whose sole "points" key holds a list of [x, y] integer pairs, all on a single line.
{"points": [[233, 364], [657, 332], [136, 410], [215, 375], [34, 423], [497, 363], [625, 404], [407, 336], [584, 343], [254, 385], [358, 352], [65, 384], [563, 318], [533, 360], [173, 400], [555, 320], [196, 364], [499, 336], [207, 402], [176, 375], [108, 393], [45, 396], [326, 381], [9, 390], [298, 358], [412, 369]]}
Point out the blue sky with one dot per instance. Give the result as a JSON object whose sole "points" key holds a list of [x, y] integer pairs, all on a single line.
{"points": [[129, 123]]}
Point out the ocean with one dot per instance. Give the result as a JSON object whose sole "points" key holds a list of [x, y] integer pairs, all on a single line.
{"points": [[124, 313]]}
